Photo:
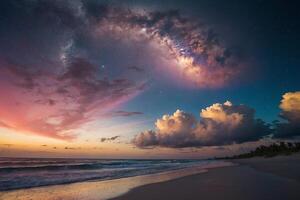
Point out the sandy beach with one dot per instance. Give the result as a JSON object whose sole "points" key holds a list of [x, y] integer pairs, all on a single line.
{"points": [[104, 189], [256, 178]]}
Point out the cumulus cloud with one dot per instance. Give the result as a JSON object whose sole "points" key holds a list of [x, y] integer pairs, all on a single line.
{"points": [[220, 124], [290, 106]]}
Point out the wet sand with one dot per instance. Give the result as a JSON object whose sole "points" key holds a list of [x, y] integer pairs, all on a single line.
{"points": [[101, 190], [254, 179]]}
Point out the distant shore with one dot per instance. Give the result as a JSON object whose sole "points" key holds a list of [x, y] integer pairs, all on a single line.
{"points": [[253, 179]]}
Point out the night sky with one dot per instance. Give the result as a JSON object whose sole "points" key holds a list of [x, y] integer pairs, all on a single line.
{"points": [[147, 78]]}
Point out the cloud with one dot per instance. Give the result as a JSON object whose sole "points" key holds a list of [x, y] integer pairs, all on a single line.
{"points": [[290, 106], [76, 96], [109, 139], [72, 148], [135, 68], [54, 83], [121, 113], [220, 124], [2, 124], [7, 145], [60, 82]]}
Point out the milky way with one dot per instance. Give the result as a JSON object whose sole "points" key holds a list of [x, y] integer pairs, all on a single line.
{"points": [[190, 48], [65, 63]]}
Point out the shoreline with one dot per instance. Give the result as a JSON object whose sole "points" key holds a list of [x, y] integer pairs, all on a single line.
{"points": [[105, 189], [255, 178], [98, 180]]}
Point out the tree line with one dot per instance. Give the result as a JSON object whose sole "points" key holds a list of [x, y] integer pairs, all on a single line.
{"points": [[275, 149]]}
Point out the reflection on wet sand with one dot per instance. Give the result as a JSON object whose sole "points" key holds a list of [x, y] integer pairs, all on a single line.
{"points": [[101, 190]]}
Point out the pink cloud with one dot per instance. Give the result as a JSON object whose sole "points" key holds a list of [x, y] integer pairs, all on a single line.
{"points": [[57, 105]]}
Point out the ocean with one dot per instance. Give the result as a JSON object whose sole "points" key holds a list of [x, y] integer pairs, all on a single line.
{"points": [[19, 173]]}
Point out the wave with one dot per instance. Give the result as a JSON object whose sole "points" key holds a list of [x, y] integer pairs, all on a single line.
{"points": [[17, 174]]}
